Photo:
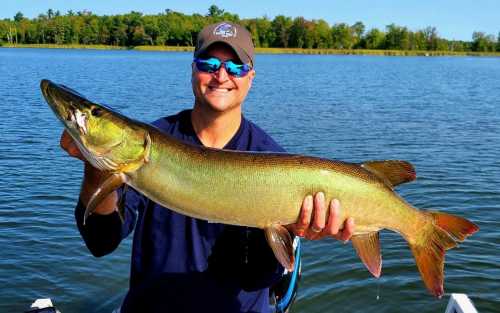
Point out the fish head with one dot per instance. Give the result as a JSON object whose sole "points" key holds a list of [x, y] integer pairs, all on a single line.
{"points": [[107, 139]]}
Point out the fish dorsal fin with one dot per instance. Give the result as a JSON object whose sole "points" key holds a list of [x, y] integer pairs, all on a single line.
{"points": [[368, 248], [281, 243], [392, 172], [109, 185]]}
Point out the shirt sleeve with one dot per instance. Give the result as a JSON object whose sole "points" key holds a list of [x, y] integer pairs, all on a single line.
{"points": [[103, 233]]}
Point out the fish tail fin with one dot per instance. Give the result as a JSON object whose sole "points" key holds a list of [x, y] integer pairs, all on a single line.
{"points": [[429, 246]]}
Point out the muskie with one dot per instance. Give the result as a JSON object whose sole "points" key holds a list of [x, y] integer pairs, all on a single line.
{"points": [[263, 190]]}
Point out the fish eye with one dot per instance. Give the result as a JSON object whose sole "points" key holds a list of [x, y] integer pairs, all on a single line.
{"points": [[97, 112]]}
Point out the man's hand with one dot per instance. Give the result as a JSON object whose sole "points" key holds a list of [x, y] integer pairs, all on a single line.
{"points": [[69, 145], [315, 223], [92, 177]]}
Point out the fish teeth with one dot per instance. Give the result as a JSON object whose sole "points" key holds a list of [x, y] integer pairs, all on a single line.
{"points": [[81, 120]]}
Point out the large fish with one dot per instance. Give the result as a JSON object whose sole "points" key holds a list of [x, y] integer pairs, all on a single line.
{"points": [[263, 190]]}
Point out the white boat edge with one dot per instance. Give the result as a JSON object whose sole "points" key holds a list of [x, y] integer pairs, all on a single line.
{"points": [[460, 303]]}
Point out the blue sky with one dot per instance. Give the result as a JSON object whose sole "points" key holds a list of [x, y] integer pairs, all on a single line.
{"points": [[454, 19]]}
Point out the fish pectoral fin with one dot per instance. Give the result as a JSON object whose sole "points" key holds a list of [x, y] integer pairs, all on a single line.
{"points": [[392, 172], [109, 185], [281, 243], [368, 248]]}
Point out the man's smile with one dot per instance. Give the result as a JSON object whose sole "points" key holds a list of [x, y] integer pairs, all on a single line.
{"points": [[219, 89]]}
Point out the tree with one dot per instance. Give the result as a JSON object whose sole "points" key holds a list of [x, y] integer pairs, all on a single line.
{"points": [[418, 41], [482, 42], [397, 37], [251, 26], [281, 27], [342, 36], [324, 36], [298, 33], [214, 11], [431, 37], [374, 39], [18, 17], [498, 42], [358, 30]]}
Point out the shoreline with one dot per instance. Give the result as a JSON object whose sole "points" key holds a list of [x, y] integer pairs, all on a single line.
{"points": [[266, 50]]}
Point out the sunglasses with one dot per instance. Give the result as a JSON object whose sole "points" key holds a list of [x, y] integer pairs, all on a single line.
{"points": [[212, 65]]}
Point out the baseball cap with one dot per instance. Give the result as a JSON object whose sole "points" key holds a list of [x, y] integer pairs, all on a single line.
{"points": [[234, 35]]}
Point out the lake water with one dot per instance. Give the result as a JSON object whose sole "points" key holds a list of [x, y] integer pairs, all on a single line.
{"points": [[441, 114]]}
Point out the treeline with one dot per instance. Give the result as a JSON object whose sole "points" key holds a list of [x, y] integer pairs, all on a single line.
{"points": [[177, 29]]}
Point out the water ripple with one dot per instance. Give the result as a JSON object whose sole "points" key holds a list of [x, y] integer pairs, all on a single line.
{"points": [[441, 114]]}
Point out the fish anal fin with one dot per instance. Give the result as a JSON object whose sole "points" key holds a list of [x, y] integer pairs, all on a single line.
{"points": [[110, 184], [368, 248], [281, 243], [393, 172]]}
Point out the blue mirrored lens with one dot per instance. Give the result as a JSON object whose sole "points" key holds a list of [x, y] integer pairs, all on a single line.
{"points": [[238, 70], [208, 65]]}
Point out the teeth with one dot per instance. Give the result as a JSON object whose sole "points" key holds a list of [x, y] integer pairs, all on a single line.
{"points": [[220, 89], [81, 121]]}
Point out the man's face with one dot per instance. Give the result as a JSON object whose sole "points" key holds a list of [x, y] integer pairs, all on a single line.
{"points": [[220, 91]]}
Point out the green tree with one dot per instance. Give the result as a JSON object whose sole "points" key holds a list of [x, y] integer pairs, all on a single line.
{"points": [[281, 28], [498, 42], [342, 36], [215, 12], [482, 42], [118, 36], [324, 35], [374, 39], [89, 30], [431, 37], [251, 26], [152, 29], [358, 29], [418, 41], [298, 33], [266, 34], [397, 37], [18, 17]]}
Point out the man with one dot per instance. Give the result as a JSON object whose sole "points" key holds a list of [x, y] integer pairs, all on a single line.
{"points": [[179, 263]]}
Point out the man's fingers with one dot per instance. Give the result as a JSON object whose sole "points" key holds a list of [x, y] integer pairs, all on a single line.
{"points": [[333, 224], [66, 140], [318, 222], [68, 144], [348, 230], [305, 215]]}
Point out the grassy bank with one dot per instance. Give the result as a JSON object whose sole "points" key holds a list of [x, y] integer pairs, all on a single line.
{"points": [[54, 46], [267, 50]]}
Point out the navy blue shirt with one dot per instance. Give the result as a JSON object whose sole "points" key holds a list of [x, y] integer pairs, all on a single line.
{"points": [[184, 264]]}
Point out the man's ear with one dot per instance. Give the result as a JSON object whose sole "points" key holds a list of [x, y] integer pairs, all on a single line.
{"points": [[251, 75]]}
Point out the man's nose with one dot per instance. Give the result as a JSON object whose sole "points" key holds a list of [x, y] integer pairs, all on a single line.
{"points": [[221, 75]]}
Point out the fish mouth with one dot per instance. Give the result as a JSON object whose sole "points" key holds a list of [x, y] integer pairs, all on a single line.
{"points": [[69, 106]]}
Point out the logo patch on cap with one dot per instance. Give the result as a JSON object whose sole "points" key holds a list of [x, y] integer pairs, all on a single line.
{"points": [[225, 30]]}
